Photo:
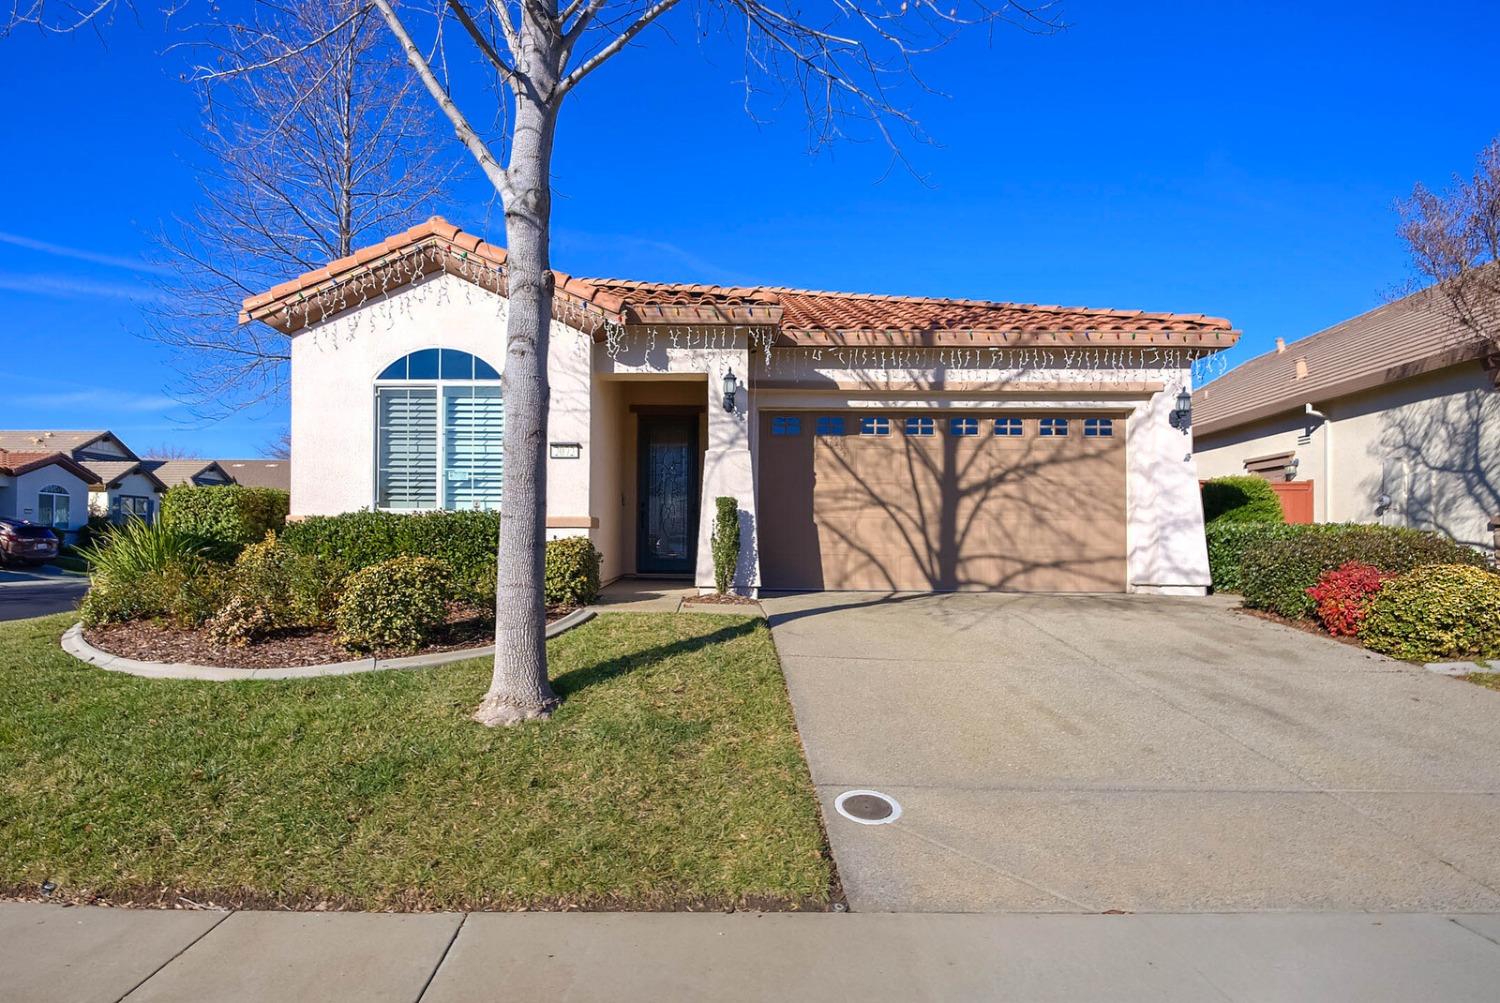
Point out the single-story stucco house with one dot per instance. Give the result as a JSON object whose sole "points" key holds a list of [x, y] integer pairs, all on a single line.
{"points": [[47, 487], [871, 442], [1391, 417], [123, 484]]}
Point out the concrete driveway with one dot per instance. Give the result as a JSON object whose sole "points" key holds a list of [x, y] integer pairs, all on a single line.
{"points": [[1094, 753]]}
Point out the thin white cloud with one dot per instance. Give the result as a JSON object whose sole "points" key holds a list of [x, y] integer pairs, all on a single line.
{"points": [[99, 399], [635, 249], [69, 287], [82, 254]]}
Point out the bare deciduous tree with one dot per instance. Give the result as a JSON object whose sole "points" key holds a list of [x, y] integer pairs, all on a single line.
{"points": [[1453, 237], [315, 142], [845, 60]]}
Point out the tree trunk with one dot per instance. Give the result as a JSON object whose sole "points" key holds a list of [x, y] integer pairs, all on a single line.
{"points": [[519, 689]]}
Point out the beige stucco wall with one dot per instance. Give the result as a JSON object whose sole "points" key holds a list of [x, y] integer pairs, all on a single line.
{"points": [[1431, 443], [334, 365]]}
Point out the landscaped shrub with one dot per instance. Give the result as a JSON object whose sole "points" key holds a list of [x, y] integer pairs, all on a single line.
{"points": [[394, 604], [1228, 542], [1275, 574], [1438, 612], [230, 515], [465, 541], [138, 548], [241, 622], [1342, 596], [272, 586], [725, 542], [572, 575], [185, 593], [1240, 499]]}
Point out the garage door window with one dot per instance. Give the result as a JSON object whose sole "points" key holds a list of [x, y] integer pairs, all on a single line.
{"points": [[1098, 427], [1054, 427], [1007, 426], [919, 426], [874, 425], [963, 426], [786, 424], [830, 424]]}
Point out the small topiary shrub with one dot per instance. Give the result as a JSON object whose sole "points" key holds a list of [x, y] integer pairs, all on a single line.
{"points": [[272, 586], [572, 572], [725, 542], [394, 604], [1240, 499], [241, 622], [1276, 574], [1342, 596], [1444, 611], [231, 515]]}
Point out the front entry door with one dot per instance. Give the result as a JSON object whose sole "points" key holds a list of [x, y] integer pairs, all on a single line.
{"points": [[667, 526]]}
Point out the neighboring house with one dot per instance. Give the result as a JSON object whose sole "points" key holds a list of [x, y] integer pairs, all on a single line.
{"points": [[871, 442], [46, 487], [1391, 417], [259, 473], [122, 485], [174, 472]]}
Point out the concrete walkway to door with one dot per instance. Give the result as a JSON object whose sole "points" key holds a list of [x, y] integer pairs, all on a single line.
{"points": [[1095, 753]]}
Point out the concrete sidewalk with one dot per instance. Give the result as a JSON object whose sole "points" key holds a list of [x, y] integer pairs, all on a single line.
{"points": [[82, 955]]}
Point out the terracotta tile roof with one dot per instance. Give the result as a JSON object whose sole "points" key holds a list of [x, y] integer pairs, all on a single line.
{"points": [[259, 473], [18, 461], [1406, 338], [799, 316]]}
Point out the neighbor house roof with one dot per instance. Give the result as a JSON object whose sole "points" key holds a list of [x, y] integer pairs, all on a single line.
{"points": [[797, 316], [175, 472], [67, 440], [259, 473], [112, 472], [1410, 336], [19, 461]]}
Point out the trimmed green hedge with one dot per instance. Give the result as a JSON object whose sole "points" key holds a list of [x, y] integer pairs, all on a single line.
{"points": [[1275, 573], [465, 541], [1240, 500], [1228, 542], [232, 515]]}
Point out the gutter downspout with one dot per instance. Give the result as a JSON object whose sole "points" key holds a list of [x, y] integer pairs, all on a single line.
{"points": [[1313, 412]]}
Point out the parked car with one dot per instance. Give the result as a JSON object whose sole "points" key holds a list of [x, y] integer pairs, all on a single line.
{"points": [[23, 542]]}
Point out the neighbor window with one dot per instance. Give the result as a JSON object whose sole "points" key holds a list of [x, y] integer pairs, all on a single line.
{"points": [[1007, 426], [131, 506], [874, 425], [440, 432], [786, 424], [1054, 426], [53, 506], [830, 424], [963, 426], [1098, 427], [919, 426]]}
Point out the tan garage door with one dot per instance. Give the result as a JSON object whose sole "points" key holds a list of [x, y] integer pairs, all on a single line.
{"points": [[942, 501]]}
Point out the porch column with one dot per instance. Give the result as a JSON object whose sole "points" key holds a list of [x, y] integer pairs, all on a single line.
{"points": [[728, 470]]}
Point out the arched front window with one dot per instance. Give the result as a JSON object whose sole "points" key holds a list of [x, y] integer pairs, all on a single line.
{"points": [[53, 506], [439, 427]]}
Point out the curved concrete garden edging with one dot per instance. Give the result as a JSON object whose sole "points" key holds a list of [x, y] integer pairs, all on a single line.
{"points": [[74, 644]]}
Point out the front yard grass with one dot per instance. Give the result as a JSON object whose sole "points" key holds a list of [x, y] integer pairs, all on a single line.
{"points": [[671, 777]]}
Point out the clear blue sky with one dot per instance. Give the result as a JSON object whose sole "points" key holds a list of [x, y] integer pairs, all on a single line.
{"points": [[1237, 159]]}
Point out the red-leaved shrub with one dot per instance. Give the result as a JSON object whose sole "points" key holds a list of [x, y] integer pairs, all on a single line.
{"points": [[1342, 596]]}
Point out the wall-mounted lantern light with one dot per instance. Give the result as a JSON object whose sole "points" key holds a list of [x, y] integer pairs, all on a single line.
{"points": [[1182, 415], [731, 388]]}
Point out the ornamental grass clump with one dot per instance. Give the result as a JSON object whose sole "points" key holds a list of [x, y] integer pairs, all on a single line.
{"points": [[143, 571], [1341, 599], [1445, 611], [395, 604]]}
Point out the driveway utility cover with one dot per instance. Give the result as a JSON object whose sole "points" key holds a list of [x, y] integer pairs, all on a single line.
{"points": [[867, 807]]}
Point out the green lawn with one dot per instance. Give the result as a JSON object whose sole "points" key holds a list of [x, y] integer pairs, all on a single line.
{"points": [[671, 777]]}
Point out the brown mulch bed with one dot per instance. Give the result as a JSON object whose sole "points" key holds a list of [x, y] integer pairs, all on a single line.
{"points": [[714, 599], [149, 641]]}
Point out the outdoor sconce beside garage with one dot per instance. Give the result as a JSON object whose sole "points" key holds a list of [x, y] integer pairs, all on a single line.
{"points": [[732, 386], [1182, 415]]}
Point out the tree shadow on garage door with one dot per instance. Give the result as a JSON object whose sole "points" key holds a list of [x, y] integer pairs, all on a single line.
{"points": [[944, 511]]}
